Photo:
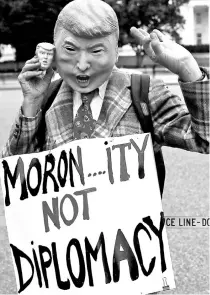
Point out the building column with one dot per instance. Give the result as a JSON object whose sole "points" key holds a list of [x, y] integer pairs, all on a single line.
{"points": [[187, 34], [190, 21]]}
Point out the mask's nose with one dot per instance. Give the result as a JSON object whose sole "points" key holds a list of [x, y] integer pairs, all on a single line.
{"points": [[83, 64]]}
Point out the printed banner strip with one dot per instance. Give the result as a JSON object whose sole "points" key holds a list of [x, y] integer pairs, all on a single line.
{"points": [[187, 222]]}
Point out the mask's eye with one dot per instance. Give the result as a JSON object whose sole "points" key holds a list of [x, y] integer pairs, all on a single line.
{"points": [[70, 49], [97, 50]]}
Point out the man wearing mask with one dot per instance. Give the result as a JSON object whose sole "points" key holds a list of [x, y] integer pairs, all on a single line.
{"points": [[86, 50]]}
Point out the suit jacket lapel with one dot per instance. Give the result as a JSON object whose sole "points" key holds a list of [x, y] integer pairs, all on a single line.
{"points": [[116, 102], [59, 118]]}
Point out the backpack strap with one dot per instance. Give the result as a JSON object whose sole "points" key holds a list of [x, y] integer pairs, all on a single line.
{"points": [[51, 94], [139, 95]]}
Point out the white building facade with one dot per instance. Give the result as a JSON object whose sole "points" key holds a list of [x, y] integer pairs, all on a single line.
{"points": [[196, 28]]}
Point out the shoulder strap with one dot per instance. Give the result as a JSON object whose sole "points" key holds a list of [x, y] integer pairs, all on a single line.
{"points": [[49, 98], [51, 94], [139, 93]]}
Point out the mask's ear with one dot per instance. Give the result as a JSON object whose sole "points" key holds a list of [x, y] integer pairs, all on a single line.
{"points": [[117, 53], [36, 50]]}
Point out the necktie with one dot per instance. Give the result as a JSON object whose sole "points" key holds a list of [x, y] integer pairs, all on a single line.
{"points": [[84, 123]]}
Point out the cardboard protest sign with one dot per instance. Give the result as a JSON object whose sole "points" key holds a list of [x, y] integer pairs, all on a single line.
{"points": [[87, 218]]}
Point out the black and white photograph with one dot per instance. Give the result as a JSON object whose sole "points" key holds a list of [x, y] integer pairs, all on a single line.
{"points": [[104, 144]]}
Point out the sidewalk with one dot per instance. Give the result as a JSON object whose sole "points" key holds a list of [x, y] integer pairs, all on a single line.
{"points": [[9, 81]]}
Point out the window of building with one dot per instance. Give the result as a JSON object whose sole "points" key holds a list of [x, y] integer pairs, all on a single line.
{"points": [[198, 18], [199, 38]]}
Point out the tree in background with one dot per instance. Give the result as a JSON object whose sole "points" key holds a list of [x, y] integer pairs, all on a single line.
{"points": [[24, 23], [163, 15]]}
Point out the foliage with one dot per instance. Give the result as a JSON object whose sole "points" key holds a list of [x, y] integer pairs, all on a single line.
{"points": [[24, 23], [163, 15]]}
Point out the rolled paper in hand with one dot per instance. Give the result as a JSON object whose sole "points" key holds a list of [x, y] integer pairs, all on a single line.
{"points": [[45, 53]]}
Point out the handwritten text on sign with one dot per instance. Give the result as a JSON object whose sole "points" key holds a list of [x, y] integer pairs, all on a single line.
{"points": [[87, 217]]}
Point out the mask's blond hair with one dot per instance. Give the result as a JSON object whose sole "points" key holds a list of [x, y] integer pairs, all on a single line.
{"points": [[46, 46], [88, 19]]}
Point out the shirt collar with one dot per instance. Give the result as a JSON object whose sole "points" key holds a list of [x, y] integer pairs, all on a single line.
{"points": [[102, 89]]}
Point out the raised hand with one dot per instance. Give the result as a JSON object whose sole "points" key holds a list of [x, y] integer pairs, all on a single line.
{"points": [[34, 86], [168, 54]]}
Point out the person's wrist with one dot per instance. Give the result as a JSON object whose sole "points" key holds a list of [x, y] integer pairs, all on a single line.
{"points": [[30, 109], [190, 71]]}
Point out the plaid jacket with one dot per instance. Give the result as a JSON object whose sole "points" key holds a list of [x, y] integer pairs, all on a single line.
{"points": [[176, 123]]}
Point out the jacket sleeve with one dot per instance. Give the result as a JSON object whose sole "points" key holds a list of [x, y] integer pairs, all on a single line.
{"points": [[28, 135], [181, 123], [23, 137]]}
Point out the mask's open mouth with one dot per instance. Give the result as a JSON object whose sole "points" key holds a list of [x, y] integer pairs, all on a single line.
{"points": [[83, 79]]}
